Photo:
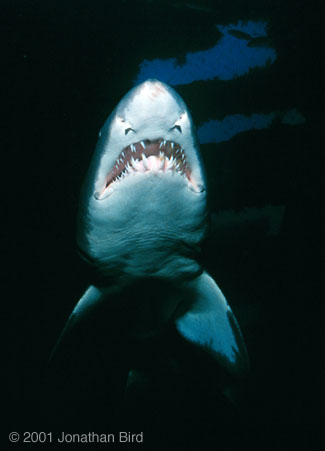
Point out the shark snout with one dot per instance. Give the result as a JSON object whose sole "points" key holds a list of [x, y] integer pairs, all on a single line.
{"points": [[154, 88], [155, 92]]}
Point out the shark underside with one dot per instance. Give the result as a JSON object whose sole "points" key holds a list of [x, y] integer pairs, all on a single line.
{"points": [[141, 220]]}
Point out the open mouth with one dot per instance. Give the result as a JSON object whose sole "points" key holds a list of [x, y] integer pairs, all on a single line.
{"points": [[149, 155]]}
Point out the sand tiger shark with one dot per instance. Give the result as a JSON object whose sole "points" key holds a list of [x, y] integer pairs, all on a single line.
{"points": [[142, 216]]}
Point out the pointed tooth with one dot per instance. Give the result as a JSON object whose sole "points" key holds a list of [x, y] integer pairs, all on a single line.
{"points": [[172, 144], [138, 165], [145, 161], [123, 154], [168, 164], [132, 147], [143, 144], [164, 142], [161, 144]]}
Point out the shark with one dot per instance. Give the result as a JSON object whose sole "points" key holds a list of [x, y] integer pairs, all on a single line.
{"points": [[142, 217]]}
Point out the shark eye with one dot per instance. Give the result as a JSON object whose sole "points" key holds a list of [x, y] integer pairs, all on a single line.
{"points": [[178, 127], [127, 130]]}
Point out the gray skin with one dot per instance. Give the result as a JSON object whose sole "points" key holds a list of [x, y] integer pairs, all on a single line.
{"points": [[149, 223]]}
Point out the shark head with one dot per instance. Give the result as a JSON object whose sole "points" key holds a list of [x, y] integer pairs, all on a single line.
{"points": [[143, 202]]}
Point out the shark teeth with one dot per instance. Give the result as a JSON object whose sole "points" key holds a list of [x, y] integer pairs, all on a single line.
{"points": [[154, 156]]}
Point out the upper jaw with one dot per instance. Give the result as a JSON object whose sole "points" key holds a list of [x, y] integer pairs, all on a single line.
{"points": [[154, 156]]}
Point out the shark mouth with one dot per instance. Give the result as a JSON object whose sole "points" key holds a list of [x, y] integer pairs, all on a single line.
{"points": [[147, 156]]}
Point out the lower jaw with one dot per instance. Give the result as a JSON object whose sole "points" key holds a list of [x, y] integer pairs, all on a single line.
{"points": [[190, 183]]}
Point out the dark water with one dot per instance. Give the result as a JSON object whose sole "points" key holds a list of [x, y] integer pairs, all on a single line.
{"points": [[252, 74]]}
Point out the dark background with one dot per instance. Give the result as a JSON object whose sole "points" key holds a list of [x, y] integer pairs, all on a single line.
{"points": [[65, 65]]}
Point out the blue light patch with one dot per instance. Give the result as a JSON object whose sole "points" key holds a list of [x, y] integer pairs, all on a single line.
{"points": [[228, 59], [218, 131], [293, 117]]}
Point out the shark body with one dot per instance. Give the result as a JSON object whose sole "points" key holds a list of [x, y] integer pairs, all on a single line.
{"points": [[142, 217]]}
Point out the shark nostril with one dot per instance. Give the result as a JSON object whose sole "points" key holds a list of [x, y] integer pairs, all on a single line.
{"points": [[127, 130], [177, 127]]}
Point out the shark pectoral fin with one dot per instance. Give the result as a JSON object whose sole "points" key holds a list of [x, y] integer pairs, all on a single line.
{"points": [[92, 297], [210, 324]]}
